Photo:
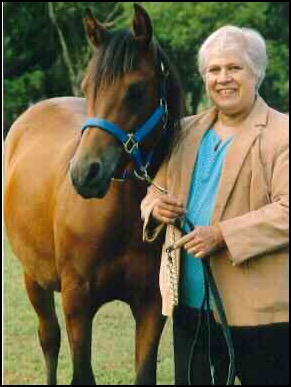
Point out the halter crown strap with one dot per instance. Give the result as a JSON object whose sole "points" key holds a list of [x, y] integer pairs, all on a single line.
{"points": [[150, 124]]}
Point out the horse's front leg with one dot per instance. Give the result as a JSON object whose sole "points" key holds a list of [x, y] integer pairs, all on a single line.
{"points": [[78, 313], [49, 330], [149, 327]]}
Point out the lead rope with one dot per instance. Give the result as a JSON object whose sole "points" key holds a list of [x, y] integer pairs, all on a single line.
{"points": [[173, 274], [210, 283], [171, 263]]}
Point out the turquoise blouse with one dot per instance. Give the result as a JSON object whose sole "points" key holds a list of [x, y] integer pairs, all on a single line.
{"points": [[200, 208]]}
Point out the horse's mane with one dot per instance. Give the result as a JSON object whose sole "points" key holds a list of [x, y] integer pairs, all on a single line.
{"points": [[120, 54]]}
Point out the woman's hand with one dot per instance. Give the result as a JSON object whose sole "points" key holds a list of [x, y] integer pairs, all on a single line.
{"points": [[202, 241], [167, 208]]}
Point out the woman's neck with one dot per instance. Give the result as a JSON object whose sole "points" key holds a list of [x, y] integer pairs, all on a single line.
{"points": [[229, 124], [235, 119]]}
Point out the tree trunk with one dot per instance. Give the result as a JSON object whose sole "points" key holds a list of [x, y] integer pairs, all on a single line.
{"points": [[73, 76]]}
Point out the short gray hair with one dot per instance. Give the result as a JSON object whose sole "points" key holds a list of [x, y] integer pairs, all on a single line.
{"points": [[246, 40]]}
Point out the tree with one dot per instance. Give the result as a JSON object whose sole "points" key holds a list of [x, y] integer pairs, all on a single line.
{"points": [[46, 51], [25, 60], [276, 86]]}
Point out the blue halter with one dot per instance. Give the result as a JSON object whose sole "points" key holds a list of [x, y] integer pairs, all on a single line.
{"points": [[131, 141]]}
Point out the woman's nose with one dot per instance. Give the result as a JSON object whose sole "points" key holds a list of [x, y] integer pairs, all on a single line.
{"points": [[224, 76]]}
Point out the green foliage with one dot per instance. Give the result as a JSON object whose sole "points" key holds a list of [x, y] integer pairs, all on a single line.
{"points": [[34, 67], [277, 23], [32, 45], [275, 88], [16, 98]]}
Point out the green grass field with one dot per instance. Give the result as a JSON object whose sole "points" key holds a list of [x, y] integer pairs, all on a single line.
{"points": [[113, 339]]}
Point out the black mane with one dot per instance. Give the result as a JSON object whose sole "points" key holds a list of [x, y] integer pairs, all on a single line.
{"points": [[118, 55]]}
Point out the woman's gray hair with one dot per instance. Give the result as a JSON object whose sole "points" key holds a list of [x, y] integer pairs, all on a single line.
{"points": [[229, 38]]}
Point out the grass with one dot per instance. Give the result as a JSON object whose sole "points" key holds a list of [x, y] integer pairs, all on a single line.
{"points": [[112, 348]]}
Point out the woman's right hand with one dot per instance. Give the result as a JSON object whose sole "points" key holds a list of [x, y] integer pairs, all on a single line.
{"points": [[167, 208]]}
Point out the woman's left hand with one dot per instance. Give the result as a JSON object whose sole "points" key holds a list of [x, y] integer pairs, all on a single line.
{"points": [[202, 241]]}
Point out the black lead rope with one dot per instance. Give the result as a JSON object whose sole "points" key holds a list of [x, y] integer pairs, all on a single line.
{"points": [[225, 327], [210, 286]]}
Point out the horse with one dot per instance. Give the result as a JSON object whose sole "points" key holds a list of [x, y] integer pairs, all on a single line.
{"points": [[72, 197]]}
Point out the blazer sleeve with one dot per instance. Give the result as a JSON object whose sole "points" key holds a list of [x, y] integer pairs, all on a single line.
{"points": [[151, 228], [266, 229]]}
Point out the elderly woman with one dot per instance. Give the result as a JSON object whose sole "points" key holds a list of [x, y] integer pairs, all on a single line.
{"points": [[229, 173]]}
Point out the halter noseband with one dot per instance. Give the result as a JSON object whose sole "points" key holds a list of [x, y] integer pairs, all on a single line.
{"points": [[131, 141]]}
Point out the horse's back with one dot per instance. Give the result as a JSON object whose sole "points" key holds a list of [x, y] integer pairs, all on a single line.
{"points": [[38, 148], [47, 125], [53, 118]]}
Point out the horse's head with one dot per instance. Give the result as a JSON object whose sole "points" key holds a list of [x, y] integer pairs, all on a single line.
{"points": [[132, 96]]}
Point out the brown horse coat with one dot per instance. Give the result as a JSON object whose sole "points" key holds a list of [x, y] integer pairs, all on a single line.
{"points": [[74, 229]]}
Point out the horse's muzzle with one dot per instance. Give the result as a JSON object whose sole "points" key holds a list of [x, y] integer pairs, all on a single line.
{"points": [[90, 179]]}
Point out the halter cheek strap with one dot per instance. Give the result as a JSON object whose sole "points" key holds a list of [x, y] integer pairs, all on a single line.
{"points": [[130, 141]]}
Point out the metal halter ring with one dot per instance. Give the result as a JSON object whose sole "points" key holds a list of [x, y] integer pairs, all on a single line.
{"points": [[130, 144]]}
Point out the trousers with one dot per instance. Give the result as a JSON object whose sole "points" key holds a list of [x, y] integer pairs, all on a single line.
{"points": [[261, 352]]}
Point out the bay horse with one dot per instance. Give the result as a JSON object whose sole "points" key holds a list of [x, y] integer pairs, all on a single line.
{"points": [[70, 219]]}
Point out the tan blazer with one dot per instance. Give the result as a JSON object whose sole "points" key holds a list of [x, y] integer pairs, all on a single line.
{"points": [[252, 272]]}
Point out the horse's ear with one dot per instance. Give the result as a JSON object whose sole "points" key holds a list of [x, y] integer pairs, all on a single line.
{"points": [[96, 32], [142, 25]]}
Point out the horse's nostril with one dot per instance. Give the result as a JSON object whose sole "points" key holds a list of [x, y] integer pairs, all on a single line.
{"points": [[94, 171]]}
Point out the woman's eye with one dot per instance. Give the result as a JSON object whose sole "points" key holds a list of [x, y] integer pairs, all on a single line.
{"points": [[213, 70], [234, 68]]}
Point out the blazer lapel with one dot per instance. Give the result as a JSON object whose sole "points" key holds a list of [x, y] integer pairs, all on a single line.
{"points": [[190, 150], [237, 153]]}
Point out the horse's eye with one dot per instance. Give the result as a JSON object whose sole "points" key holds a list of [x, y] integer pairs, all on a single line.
{"points": [[136, 93]]}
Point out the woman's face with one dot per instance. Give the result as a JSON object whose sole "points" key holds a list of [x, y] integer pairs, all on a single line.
{"points": [[230, 83]]}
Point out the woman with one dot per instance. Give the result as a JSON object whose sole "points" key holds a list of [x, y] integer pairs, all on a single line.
{"points": [[229, 172]]}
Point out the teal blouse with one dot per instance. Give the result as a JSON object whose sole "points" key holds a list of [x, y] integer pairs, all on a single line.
{"points": [[201, 203]]}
